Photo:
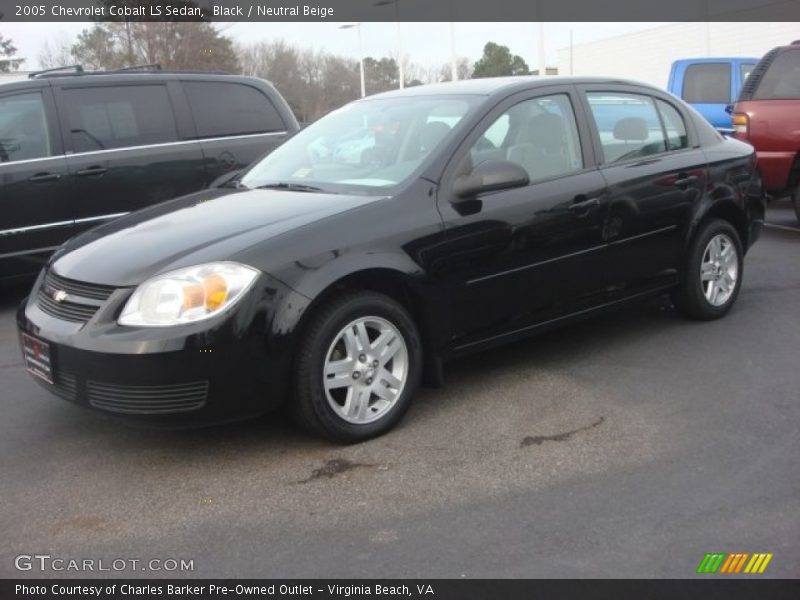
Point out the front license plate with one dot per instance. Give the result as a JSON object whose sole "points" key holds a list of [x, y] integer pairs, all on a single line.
{"points": [[37, 357]]}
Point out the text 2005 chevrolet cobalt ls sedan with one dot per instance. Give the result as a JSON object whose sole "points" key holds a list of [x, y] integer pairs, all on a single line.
{"points": [[399, 231]]}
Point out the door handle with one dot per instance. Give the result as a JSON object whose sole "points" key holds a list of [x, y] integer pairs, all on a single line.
{"points": [[44, 177], [683, 181], [91, 172], [582, 204]]}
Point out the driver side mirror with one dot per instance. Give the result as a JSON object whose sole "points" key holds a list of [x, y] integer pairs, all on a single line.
{"points": [[490, 176]]}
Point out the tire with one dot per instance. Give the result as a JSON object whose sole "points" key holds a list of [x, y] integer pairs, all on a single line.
{"points": [[333, 374], [695, 297]]}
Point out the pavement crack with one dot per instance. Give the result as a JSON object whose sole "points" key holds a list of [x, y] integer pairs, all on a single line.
{"points": [[538, 440], [334, 467]]}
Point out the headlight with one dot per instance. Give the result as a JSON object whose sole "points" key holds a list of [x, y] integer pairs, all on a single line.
{"points": [[187, 295]]}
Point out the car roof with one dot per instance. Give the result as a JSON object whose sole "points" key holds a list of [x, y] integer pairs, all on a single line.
{"points": [[714, 59], [112, 77], [496, 85]]}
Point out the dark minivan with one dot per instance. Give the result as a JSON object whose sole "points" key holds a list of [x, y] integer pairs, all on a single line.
{"points": [[395, 233], [79, 148]]}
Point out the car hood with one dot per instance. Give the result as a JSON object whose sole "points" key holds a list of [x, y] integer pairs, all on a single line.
{"points": [[206, 226]]}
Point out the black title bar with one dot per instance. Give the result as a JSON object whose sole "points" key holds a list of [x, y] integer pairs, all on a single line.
{"points": [[402, 10]]}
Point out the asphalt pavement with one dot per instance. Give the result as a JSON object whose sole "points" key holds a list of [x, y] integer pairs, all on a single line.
{"points": [[627, 446]]}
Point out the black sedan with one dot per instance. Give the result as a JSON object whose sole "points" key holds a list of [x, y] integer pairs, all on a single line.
{"points": [[338, 273]]}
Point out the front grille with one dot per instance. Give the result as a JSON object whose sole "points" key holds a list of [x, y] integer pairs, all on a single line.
{"points": [[68, 311], [82, 299], [147, 399], [77, 288]]}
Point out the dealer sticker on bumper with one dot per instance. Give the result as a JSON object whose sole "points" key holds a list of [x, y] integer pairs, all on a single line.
{"points": [[37, 357]]}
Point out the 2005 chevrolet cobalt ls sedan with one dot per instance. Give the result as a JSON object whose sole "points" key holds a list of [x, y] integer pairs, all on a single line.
{"points": [[339, 272]]}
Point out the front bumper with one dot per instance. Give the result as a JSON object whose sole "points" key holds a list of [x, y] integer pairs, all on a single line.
{"points": [[231, 367]]}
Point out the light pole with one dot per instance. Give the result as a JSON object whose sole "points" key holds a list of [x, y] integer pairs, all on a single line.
{"points": [[360, 55], [453, 59], [542, 57], [396, 4]]}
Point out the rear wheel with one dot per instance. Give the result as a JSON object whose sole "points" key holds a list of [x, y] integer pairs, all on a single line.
{"points": [[358, 365], [796, 201], [712, 273]]}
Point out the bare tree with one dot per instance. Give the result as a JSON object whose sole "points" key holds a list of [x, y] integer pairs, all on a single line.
{"points": [[56, 52], [313, 83], [191, 46], [463, 70]]}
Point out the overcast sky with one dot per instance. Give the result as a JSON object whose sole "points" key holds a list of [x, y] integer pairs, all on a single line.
{"points": [[426, 44]]}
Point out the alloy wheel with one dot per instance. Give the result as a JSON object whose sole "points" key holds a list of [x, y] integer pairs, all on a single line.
{"points": [[365, 370], [719, 270]]}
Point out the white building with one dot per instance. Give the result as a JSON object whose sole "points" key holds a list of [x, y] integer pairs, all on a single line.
{"points": [[647, 55]]}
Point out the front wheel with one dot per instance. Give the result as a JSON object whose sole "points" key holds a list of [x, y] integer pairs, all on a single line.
{"points": [[712, 272], [358, 365]]}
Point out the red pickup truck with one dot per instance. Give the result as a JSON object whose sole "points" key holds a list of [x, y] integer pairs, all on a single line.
{"points": [[767, 115]]}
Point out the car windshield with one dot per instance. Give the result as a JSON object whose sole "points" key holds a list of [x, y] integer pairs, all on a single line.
{"points": [[365, 147]]}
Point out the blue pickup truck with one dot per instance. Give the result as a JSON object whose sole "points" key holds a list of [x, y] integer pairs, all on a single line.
{"points": [[710, 85]]}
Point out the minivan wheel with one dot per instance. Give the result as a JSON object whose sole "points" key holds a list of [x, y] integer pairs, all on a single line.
{"points": [[358, 365], [712, 273]]}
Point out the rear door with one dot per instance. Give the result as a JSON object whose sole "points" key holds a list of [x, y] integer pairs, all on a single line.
{"points": [[236, 123], [35, 215], [126, 148], [656, 173]]}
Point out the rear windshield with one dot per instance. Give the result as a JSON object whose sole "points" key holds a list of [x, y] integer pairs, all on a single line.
{"points": [[782, 79], [707, 83]]}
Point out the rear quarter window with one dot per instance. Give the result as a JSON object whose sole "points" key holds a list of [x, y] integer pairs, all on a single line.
{"points": [[781, 81], [708, 83], [224, 109]]}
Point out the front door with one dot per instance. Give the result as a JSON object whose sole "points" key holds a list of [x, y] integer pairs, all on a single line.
{"points": [[524, 256]]}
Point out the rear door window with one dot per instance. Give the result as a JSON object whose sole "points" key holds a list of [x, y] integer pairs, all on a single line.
{"points": [[628, 125], [225, 109], [103, 118], [23, 128], [674, 126], [782, 79], [708, 83]]}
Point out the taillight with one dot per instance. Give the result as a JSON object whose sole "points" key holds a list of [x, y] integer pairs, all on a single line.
{"points": [[741, 123]]}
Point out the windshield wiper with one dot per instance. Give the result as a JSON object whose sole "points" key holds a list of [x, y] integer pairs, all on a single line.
{"points": [[292, 187]]}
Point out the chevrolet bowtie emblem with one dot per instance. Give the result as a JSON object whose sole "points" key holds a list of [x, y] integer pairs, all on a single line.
{"points": [[59, 295]]}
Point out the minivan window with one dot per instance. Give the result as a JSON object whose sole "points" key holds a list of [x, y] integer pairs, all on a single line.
{"points": [[23, 128], [102, 118], [628, 125], [224, 109], [364, 147], [708, 83], [674, 126], [782, 79], [542, 138], [745, 69]]}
